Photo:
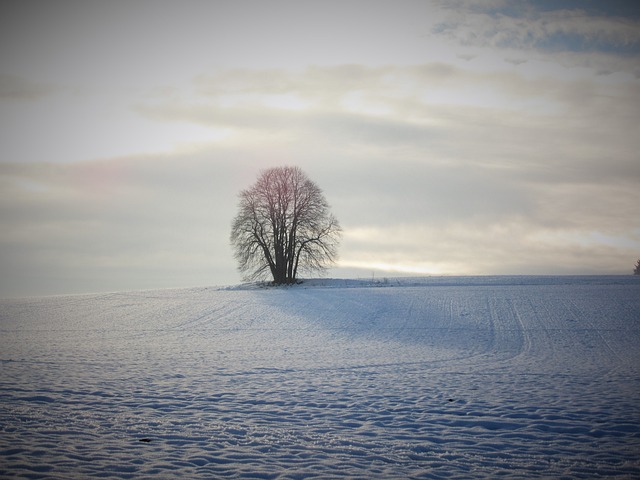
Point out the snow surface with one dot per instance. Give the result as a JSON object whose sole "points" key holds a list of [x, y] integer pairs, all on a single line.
{"points": [[468, 377]]}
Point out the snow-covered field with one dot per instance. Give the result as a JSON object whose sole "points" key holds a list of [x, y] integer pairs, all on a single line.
{"points": [[485, 377]]}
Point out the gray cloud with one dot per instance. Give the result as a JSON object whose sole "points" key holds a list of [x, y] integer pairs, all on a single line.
{"points": [[600, 36], [530, 26], [17, 88], [159, 221], [545, 129], [434, 157]]}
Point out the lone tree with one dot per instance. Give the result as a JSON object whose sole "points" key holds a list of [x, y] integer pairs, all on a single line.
{"points": [[636, 271], [283, 227]]}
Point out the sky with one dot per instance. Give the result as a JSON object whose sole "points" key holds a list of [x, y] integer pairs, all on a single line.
{"points": [[449, 137]]}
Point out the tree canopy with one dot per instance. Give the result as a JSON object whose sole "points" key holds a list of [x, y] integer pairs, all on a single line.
{"points": [[283, 227]]}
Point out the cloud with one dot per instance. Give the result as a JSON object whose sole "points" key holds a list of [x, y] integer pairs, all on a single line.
{"points": [[531, 27], [505, 126], [600, 38], [425, 173], [432, 113], [118, 223], [511, 246], [501, 143], [17, 88], [525, 173]]}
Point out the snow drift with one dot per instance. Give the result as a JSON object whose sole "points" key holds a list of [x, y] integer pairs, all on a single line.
{"points": [[469, 377]]}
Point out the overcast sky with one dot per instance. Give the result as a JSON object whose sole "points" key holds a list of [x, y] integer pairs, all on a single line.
{"points": [[452, 137]]}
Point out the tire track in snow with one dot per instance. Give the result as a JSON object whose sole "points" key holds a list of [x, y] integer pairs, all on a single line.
{"points": [[578, 314], [527, 338]]}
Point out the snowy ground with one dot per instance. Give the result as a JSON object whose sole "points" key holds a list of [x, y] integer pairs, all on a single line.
{"points": [[485, 377]]}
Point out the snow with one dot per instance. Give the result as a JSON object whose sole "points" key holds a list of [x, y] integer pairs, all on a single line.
{"points": [[440, 377]]}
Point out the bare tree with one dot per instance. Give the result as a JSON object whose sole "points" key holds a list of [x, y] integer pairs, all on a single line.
{"points": [[283, 227], [636, 271]]}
